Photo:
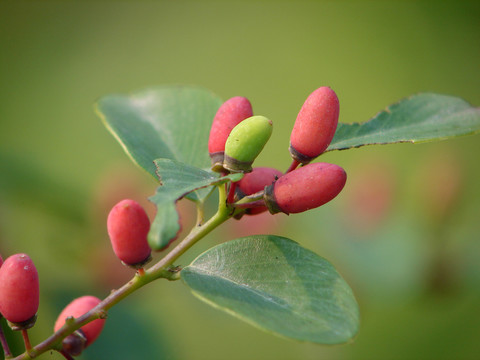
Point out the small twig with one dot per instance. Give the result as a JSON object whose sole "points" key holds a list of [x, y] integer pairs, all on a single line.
{"points": [[293, 166], [231, 193], [250, 198], [200, 213], [3, 341], [66, 355], [161, 269], [26, 340], [252, 204]]}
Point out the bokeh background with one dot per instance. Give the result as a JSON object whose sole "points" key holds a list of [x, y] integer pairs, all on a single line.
{"points": [[404, 233]]}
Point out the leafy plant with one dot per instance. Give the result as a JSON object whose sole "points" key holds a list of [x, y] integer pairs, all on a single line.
{"points": [[268, 281]]}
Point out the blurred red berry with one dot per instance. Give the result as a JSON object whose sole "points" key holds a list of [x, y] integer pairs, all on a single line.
{"points": [[77, 308], [315, 125], [128, 226], [305, 188], [231, 113], [19, 289], [254, 182]]}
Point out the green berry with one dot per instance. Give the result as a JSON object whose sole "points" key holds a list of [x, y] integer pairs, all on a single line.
{"points": [[245, 142]]}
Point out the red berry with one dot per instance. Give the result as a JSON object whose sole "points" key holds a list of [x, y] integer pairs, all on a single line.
{"points": [[128, 226], [19, 289], [315, 125], [77, 308], [1, 260], [230, 114], [305, 188], [256, 181]]}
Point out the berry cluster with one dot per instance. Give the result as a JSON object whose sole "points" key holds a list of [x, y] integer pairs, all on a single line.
{"points": [[128, 226], [237, 137]]}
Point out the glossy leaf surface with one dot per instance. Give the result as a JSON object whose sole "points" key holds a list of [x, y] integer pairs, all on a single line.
{"points": [[418, 118], [170, 122], [274, 284]]}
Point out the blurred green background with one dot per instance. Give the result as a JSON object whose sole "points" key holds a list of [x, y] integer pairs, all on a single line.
{"points": [[404, 233]]}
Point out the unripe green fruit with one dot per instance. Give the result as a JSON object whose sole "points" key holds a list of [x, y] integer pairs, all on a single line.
{"points": [[77, 308], [245, 142], [305, 188], [315, 125], [231, 113], [128, 226], [19, 291]]}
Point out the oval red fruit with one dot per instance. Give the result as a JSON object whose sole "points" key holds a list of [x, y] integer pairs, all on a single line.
{"points": [[19, 289], [305, 188], [256, 181], [230, 114], [128, 226], [77, 308], [315, 125]]}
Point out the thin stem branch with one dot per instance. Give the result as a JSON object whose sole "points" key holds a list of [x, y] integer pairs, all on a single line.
{"points": [[250, 198], [293, 166], [200, 212], [159, 270], [3, 341], [196, 234], [252, 204], [26, 340], [231, 193]]}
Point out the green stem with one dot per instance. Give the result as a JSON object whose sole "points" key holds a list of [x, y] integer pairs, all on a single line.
{"points": [[200, 212], [197, 233], [162, 269]]}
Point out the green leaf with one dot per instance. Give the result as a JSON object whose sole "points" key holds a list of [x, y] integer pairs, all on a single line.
{"points": [[170, 122], [177, 179], [419, 118], [276, 285]]}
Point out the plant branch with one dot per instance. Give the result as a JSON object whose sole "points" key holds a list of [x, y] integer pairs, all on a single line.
{"points": [[250, 198], [3, 341], [162, 269], [293, 166], [26, 340], [223, 213], [200, 212]]}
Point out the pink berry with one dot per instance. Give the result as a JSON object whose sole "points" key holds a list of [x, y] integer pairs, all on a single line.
{"points": [[230, 114], [256, 181], [19, 290], [77, 308], [305, 188], [315, 125], [1, 260], [128, 226]]}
